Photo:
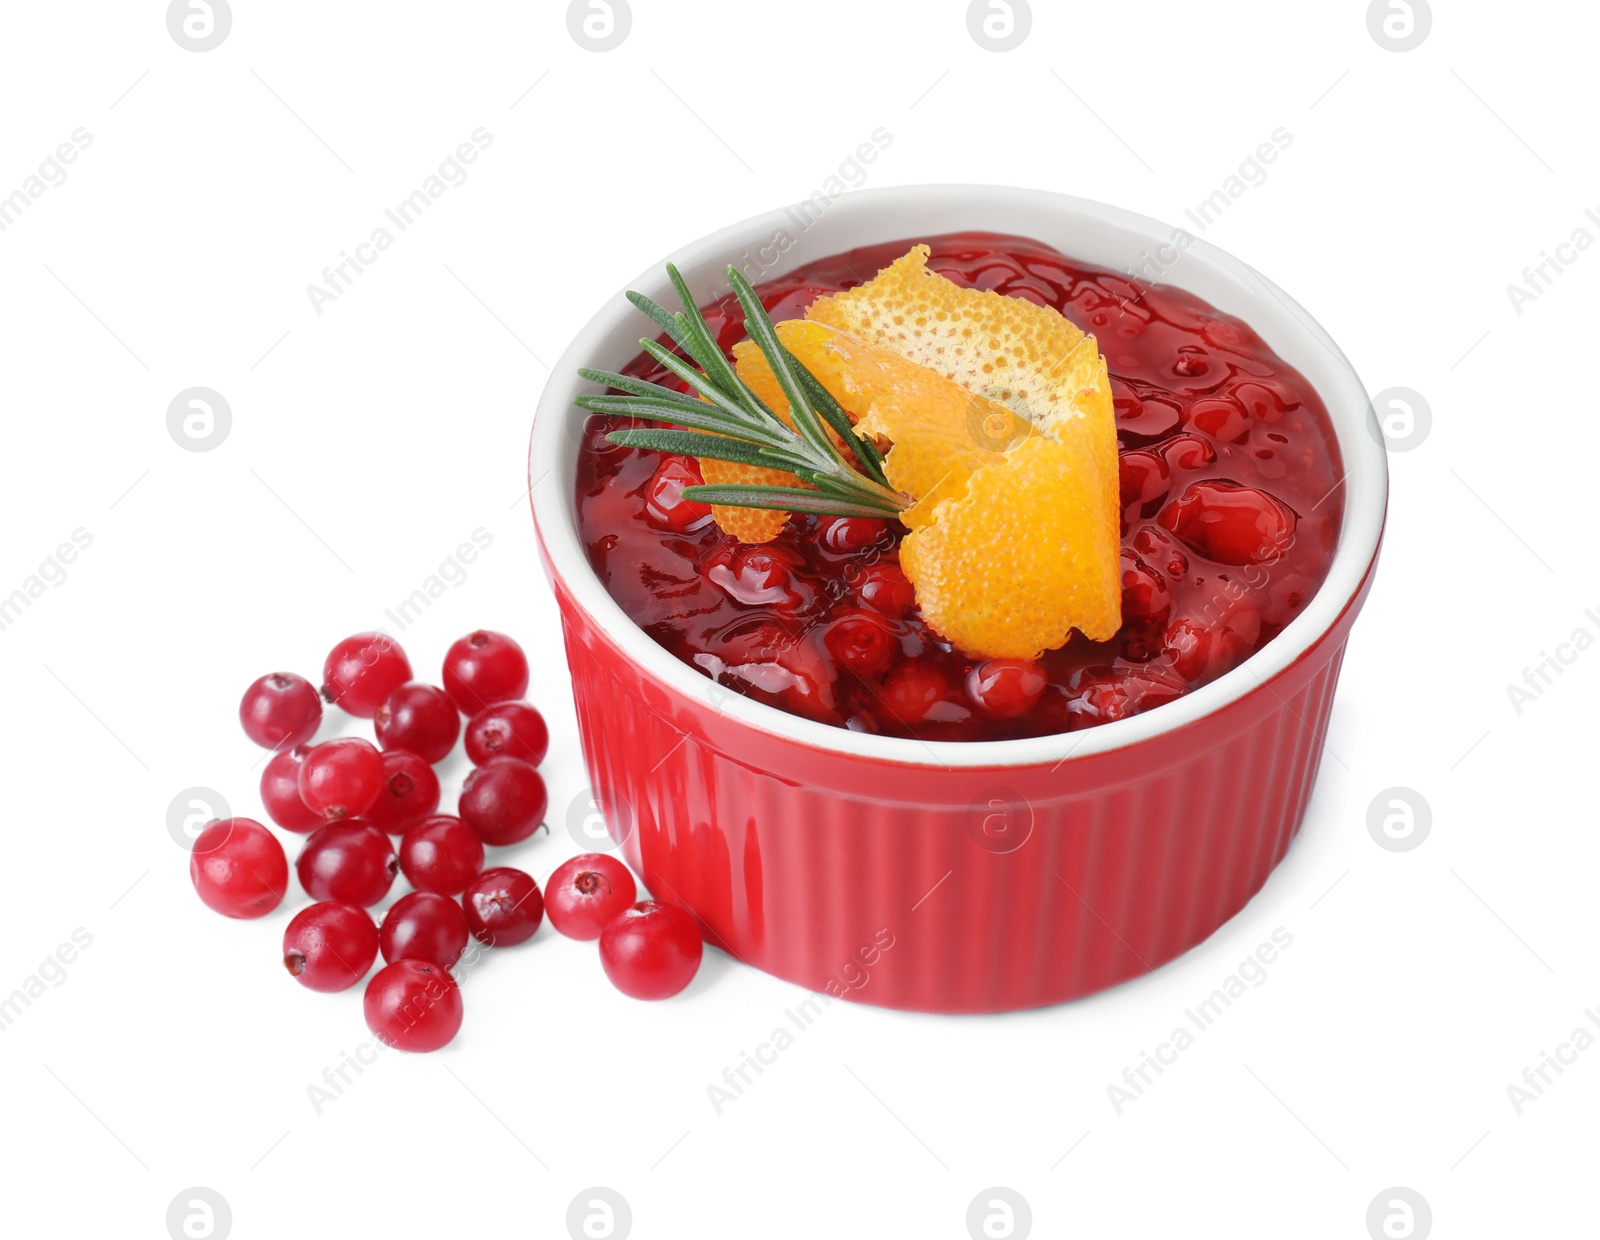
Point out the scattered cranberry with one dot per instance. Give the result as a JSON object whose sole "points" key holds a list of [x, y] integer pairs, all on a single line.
{"points": [[503, 907], [280, 710], [507, 730], [409, 793], [412, 1005], [280, 791], [361, 671], [883, 587], [1005, 688], [239, 869], [863, 642], [587, 893], [651, 951], [503, 801], [424, 926], [329, 946], [441, 854], [340, 778], [420, 718], [1230, 523], [352, 862], [483, 668], [664, 505]]}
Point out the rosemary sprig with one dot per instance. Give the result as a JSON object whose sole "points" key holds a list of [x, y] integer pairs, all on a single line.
{"points": [[733, 424]]}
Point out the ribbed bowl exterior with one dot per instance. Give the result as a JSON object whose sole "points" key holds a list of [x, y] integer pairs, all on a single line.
{"points": [[943, 889]]}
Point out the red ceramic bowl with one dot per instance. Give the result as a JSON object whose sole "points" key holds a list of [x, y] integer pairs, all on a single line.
{"points": [[954, 877]]}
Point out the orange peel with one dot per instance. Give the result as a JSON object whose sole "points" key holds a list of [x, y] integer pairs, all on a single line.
{"points": [[997, 418], [928, 418], [751, 525], [1015, 536]]}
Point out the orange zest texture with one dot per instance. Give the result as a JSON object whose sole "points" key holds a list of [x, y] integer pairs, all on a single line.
{"points": [[1021, 542], [997, 418]]}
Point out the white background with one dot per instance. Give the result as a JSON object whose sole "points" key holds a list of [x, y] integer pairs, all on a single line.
{"points": [[369, 441]]}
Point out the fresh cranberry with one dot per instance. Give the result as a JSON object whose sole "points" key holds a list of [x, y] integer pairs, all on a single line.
{"points": [[1229, 523], [340, 778], [441, 854], [1145, 480], [483, 668], [664, 505], [361, 671], [420, 718], [424, 926], [409, 793], [280, 791], [1201, 648], [504, 801], [508, 730], [352, 862], [861, 641], [412, 1005], [1188, 452], [280, 710], [651, 951], [914, 691], [852, 535], [586, 893], [238, 868], [503, 907], [1221, 418], [329, 946], [1006, 688], [883, 587]]}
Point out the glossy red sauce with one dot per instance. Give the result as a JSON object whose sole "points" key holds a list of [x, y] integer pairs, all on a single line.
{"points": [[1232, 499]]}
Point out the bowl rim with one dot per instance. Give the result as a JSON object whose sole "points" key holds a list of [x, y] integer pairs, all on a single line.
{"points": [[1201, 267]]}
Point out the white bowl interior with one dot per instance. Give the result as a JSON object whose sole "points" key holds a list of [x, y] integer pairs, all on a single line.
{"points": [[772, 244]]}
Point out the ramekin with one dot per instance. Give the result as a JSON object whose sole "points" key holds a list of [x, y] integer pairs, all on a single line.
{"points": [[955, 877]]}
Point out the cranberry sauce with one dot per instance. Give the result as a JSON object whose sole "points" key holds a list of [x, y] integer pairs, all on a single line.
{"points": [[1231, 499]]}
